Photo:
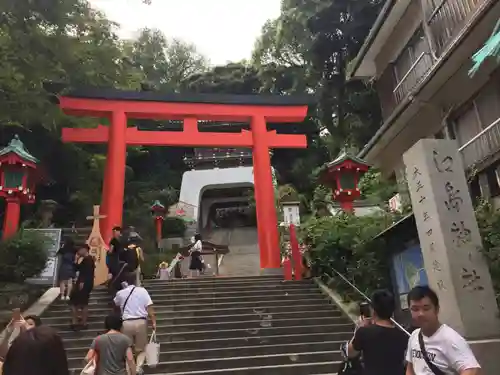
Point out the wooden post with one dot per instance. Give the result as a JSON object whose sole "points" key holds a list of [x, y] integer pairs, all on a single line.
{"points": [[98, 248]]}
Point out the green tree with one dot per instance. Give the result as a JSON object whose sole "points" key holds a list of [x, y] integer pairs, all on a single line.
{"points": [[71, 42], [164, 63]]}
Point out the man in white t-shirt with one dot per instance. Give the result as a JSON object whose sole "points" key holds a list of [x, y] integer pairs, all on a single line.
{"points": [[136, 306], [444, 352]]}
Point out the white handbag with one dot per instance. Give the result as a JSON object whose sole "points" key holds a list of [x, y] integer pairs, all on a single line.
{"points": [[153, 351], [90, 368]]}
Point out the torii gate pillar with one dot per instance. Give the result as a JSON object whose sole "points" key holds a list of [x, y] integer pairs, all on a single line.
{"points": [[120, 106], [269, 245]]}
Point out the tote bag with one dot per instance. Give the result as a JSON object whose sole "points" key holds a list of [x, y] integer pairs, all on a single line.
{"points": [[153, 351], [89, 369]]}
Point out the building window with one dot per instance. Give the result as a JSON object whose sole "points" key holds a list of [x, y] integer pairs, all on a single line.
{"points": [[411, 65], [492, 175], [475, 190], [480, 116]]}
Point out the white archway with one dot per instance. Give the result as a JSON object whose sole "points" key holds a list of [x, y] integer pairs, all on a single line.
{"points": [[195, 182]]}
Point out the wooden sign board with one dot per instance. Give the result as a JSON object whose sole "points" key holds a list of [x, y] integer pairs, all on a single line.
{"points": [[98, 249]]}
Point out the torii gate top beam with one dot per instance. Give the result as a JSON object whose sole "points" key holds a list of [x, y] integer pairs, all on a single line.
{"points": [[97, 102]]}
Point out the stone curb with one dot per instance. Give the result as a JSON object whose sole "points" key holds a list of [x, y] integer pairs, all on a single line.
{"points": [[37, 308]]}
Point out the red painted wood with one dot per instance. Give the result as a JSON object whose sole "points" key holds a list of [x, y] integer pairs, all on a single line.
{"points": [[189, 138], [158, 227], [118, 136], [297, 257], [114, 179], [12, 216], [176, 111], [264, 197], [287, 269]]}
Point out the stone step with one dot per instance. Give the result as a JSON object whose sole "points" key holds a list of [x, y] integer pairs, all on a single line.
{"points": [[98, 314], [231, 329], [169, 327], [323, 368], [223, 281], [246, 351], [224, 363], [168, 317], [209, 288], [83, 338], [220, 295], [177, 306], [235, 342], [221, 326]]}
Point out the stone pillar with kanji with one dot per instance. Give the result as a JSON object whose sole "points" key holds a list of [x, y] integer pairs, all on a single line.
{"points": [[451, 242]]}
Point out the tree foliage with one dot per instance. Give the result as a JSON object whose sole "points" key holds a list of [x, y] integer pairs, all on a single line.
{"points": [[345, 243], [69, 41], [22, 256], [488, 219]]}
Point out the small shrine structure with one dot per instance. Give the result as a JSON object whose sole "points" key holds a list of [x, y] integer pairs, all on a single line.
{"points": [[342, 175], [18, 177]]}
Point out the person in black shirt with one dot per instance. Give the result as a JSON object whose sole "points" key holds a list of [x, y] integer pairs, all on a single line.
{"points": [[114, 252], [381, 344], [79, 299]]}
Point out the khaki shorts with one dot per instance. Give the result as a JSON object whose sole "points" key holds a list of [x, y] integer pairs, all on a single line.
{"points": [[137, 330]]}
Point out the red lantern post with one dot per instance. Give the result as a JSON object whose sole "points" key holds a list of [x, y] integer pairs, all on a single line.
{"points": [[342, 175], [158, 211], [17, 182], [287, 269]]}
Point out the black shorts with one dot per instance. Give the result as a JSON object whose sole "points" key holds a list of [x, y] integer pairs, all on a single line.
{"points": [[80, 298]]}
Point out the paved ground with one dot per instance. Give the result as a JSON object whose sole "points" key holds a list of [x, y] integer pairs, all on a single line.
{"points": [[243, 258]]}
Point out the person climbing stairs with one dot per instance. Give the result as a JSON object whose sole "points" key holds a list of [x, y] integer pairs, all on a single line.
{"points": [[228, 326]]}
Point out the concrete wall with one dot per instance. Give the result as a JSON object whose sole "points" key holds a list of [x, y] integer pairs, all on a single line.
{"points": [[195, 182], [402, 34], [446, 89]]}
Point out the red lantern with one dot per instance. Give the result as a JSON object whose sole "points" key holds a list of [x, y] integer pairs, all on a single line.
{"points": [[158, 211], [342, 175], [18, 177]]}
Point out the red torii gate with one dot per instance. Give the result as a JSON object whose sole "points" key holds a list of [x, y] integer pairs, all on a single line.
{"points": [[119, 106]]}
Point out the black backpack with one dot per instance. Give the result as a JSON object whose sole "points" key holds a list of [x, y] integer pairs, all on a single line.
{"points": [[131, 259]]}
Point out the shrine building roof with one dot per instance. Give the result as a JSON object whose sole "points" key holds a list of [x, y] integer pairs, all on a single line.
{"points": [[17, 147]]}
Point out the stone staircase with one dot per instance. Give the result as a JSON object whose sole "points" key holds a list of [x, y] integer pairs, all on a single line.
{"points": [[228, 326]]}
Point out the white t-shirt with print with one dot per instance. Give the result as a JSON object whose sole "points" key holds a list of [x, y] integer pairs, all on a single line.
{"points": [[446, 349]]}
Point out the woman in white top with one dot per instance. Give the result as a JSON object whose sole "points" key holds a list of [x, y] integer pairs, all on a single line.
{"points": [[196, 264]]}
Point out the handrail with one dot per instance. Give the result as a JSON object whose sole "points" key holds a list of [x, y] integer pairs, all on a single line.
{"points": [[407, 74], [485, 130], [366, 298]]}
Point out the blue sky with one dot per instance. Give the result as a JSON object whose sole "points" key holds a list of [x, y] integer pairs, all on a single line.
{"points": [[223, 30]]}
